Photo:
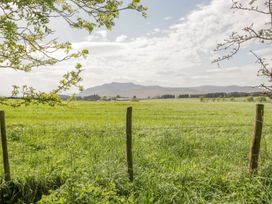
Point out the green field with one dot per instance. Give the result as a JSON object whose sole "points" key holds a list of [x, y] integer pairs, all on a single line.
{"points": [[184, 151]]}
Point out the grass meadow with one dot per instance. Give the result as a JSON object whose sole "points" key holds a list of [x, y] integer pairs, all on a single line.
{"points": [[184, 151]]}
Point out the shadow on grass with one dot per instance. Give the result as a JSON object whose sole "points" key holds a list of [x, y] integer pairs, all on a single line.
{"points": [[29, 190]]}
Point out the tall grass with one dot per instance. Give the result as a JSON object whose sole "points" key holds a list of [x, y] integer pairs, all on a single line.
{"points": [[184, 151]]}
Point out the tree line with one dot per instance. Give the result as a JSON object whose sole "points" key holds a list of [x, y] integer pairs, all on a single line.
{"points": [[96, 97]]}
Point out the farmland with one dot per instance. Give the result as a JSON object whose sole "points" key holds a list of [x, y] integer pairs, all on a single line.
{"points": [[184, 151]]}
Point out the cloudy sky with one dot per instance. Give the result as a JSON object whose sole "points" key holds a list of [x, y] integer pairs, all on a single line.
{"points": [[172, 47]]}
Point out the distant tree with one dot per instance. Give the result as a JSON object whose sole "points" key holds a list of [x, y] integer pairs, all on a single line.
{"points": [[135, 99], [79, 98], [28, 41], [167, 96], [202, 99], [263, 35], [237, 94], [250, 99], [184, 96], [261, 99], [105, 98], [214, 95], [94, 97]]}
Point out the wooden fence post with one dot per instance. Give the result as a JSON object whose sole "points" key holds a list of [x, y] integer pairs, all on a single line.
{"points": [[256, 141], [129, 143], [4, 146]]}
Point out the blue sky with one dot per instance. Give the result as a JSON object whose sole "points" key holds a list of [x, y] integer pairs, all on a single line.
{"points": [[161, 14], [172, 47]]}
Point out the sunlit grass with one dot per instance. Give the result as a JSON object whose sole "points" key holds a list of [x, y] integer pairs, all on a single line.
{"points": [[184, 152]]}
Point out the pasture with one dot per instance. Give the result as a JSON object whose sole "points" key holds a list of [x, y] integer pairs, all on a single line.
{"points": [[184, 151]]}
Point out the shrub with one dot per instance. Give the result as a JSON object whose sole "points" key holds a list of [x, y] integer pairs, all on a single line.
{"points": [[261, 99], [250, 99]]}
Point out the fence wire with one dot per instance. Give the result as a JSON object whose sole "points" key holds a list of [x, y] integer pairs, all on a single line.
{"points": [[46, 146]]}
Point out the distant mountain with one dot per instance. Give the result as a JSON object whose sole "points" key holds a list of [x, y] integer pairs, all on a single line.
{"points": [[130, 90]]}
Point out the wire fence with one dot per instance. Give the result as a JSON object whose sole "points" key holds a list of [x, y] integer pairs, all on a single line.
{"points": [[61, 145]]}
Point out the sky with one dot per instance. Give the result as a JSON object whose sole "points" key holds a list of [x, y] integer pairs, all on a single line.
{"points": [[173, 46]]}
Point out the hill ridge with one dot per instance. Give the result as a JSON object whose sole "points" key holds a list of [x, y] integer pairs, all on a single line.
{"points": [[141, 91]]}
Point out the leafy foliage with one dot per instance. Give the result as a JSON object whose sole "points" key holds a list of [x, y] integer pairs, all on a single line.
{"points": [[27, 40]]}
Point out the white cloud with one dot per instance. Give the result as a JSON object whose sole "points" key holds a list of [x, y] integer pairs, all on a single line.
{"points": [[100, 35], [264, 52], [121, 38], [103, 33], [167, 18], [179, 56]]}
